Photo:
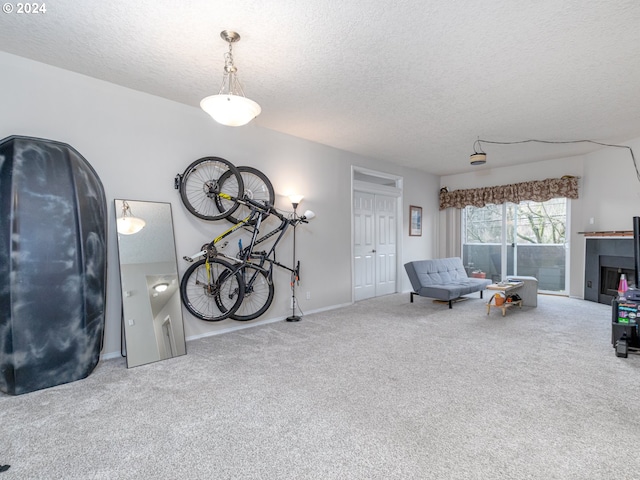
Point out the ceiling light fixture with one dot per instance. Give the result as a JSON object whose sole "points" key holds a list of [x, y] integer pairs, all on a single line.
{"points": [[127, 224], [230, 106], [161, 287], [478, 157]]}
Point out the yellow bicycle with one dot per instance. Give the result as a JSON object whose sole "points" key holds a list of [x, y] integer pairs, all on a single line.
{"points": [[219, 286]]}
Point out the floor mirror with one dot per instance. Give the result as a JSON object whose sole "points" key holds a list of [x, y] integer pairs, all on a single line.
{"points": [[151, 309]]}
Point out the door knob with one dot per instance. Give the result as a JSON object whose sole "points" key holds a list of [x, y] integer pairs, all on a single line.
{"points": [[373, 251]]}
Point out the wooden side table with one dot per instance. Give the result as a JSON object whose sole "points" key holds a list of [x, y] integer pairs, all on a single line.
{"points": [[506, 288]]}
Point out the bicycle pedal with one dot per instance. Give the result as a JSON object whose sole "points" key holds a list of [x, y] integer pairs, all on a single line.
{"points": [[188, 259]]}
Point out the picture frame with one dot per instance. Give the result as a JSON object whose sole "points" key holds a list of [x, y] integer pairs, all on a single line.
{"points": [[415, 221]]}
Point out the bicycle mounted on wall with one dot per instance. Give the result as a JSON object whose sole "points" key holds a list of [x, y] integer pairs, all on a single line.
{"points": [[220, 286]]}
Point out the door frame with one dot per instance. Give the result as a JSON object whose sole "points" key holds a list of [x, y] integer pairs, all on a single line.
{"points": [[376, 182]]}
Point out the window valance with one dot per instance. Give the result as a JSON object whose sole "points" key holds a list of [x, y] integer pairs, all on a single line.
{"points": [[537, 191]]}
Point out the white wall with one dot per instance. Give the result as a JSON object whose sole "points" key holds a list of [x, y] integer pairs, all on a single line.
{"points": [[609, 193], [137, 143], [611, 189]]}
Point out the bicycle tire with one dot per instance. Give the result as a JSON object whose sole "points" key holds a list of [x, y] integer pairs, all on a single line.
{"points": [[256, 186], [258, 294], [201, 184], [216, 299]]}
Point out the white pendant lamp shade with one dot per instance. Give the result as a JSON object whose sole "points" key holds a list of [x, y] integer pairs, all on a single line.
{"points": [[229, 109], [127, 224], [230, 106], [130, 225]]}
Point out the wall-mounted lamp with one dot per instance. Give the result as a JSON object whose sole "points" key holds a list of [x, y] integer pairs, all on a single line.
{"points": [[230, 106], [127, 224]]}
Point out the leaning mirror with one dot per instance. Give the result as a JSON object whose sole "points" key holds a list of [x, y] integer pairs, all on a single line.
{"points": [[151, 309]]}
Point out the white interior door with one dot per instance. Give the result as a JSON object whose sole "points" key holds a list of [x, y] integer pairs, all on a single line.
{"points": [[375, 256], [385, 248], [364, 245]]}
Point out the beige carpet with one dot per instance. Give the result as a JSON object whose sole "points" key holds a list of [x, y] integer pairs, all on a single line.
{"points": [[383, 389]]}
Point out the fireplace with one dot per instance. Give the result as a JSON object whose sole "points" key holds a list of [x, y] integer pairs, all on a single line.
{"points": [[611, 267], [605, 260]]}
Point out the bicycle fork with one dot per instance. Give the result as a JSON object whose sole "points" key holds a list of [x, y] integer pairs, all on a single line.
{"points": [[213, 286]]}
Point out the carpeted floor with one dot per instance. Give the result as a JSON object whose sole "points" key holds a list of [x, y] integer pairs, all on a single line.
{"points": [[383, 389]]}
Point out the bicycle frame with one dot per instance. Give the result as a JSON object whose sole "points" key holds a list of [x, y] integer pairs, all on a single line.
{"points": [[258, 212], [209, 249], [228, 280], [265, 256]]}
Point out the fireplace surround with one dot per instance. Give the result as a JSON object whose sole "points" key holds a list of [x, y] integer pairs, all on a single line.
{"points": [[605, 259]]}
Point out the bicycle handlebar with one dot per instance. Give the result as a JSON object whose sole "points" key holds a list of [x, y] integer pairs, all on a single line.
{"points": [[269, 209], [260, 208]]}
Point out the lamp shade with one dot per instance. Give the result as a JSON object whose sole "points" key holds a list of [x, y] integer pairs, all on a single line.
{"points": [[231, 110], [130, 225], [295, 198], [478, 158]]}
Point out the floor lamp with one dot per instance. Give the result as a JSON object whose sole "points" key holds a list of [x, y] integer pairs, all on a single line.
{"points": [[295, 201]]}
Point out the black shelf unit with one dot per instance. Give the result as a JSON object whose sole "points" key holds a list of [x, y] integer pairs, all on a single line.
{"points": [[625, 312], [624, 327]]}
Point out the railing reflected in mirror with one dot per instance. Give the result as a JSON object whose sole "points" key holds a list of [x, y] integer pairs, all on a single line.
{"points": [[151, 308]]}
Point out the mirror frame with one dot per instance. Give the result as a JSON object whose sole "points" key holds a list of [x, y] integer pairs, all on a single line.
{"points": [[152, 322]]}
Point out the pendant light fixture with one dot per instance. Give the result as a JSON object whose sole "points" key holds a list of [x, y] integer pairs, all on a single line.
{"points": [[478, 157], [127, 224], [230, 106]]}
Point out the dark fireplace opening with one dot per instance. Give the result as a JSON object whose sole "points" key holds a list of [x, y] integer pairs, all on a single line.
{"points": [[611, 267], [610, 279]]}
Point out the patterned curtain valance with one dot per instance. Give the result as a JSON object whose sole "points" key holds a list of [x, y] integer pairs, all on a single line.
{"points": [[537, 191]]}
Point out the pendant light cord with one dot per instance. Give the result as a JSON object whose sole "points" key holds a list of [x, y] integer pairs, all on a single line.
{"points": [[633, 157]]}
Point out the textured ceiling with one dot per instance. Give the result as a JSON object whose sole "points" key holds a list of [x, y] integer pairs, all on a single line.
{"points": [[410, 81]]}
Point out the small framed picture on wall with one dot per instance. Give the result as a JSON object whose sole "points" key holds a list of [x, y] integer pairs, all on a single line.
{"points": [[415, 215]]}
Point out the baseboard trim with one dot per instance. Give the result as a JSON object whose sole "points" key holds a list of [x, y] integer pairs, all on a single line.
{"points": [[234, 328], [243, 326]]}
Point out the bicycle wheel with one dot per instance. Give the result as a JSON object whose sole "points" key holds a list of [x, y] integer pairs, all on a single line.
{"points": [[258, 294], [257, 187], [212, 294], [201, 186]]}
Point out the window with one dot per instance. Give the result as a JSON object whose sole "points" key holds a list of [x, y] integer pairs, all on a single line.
{"points": [[527, 239]]}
